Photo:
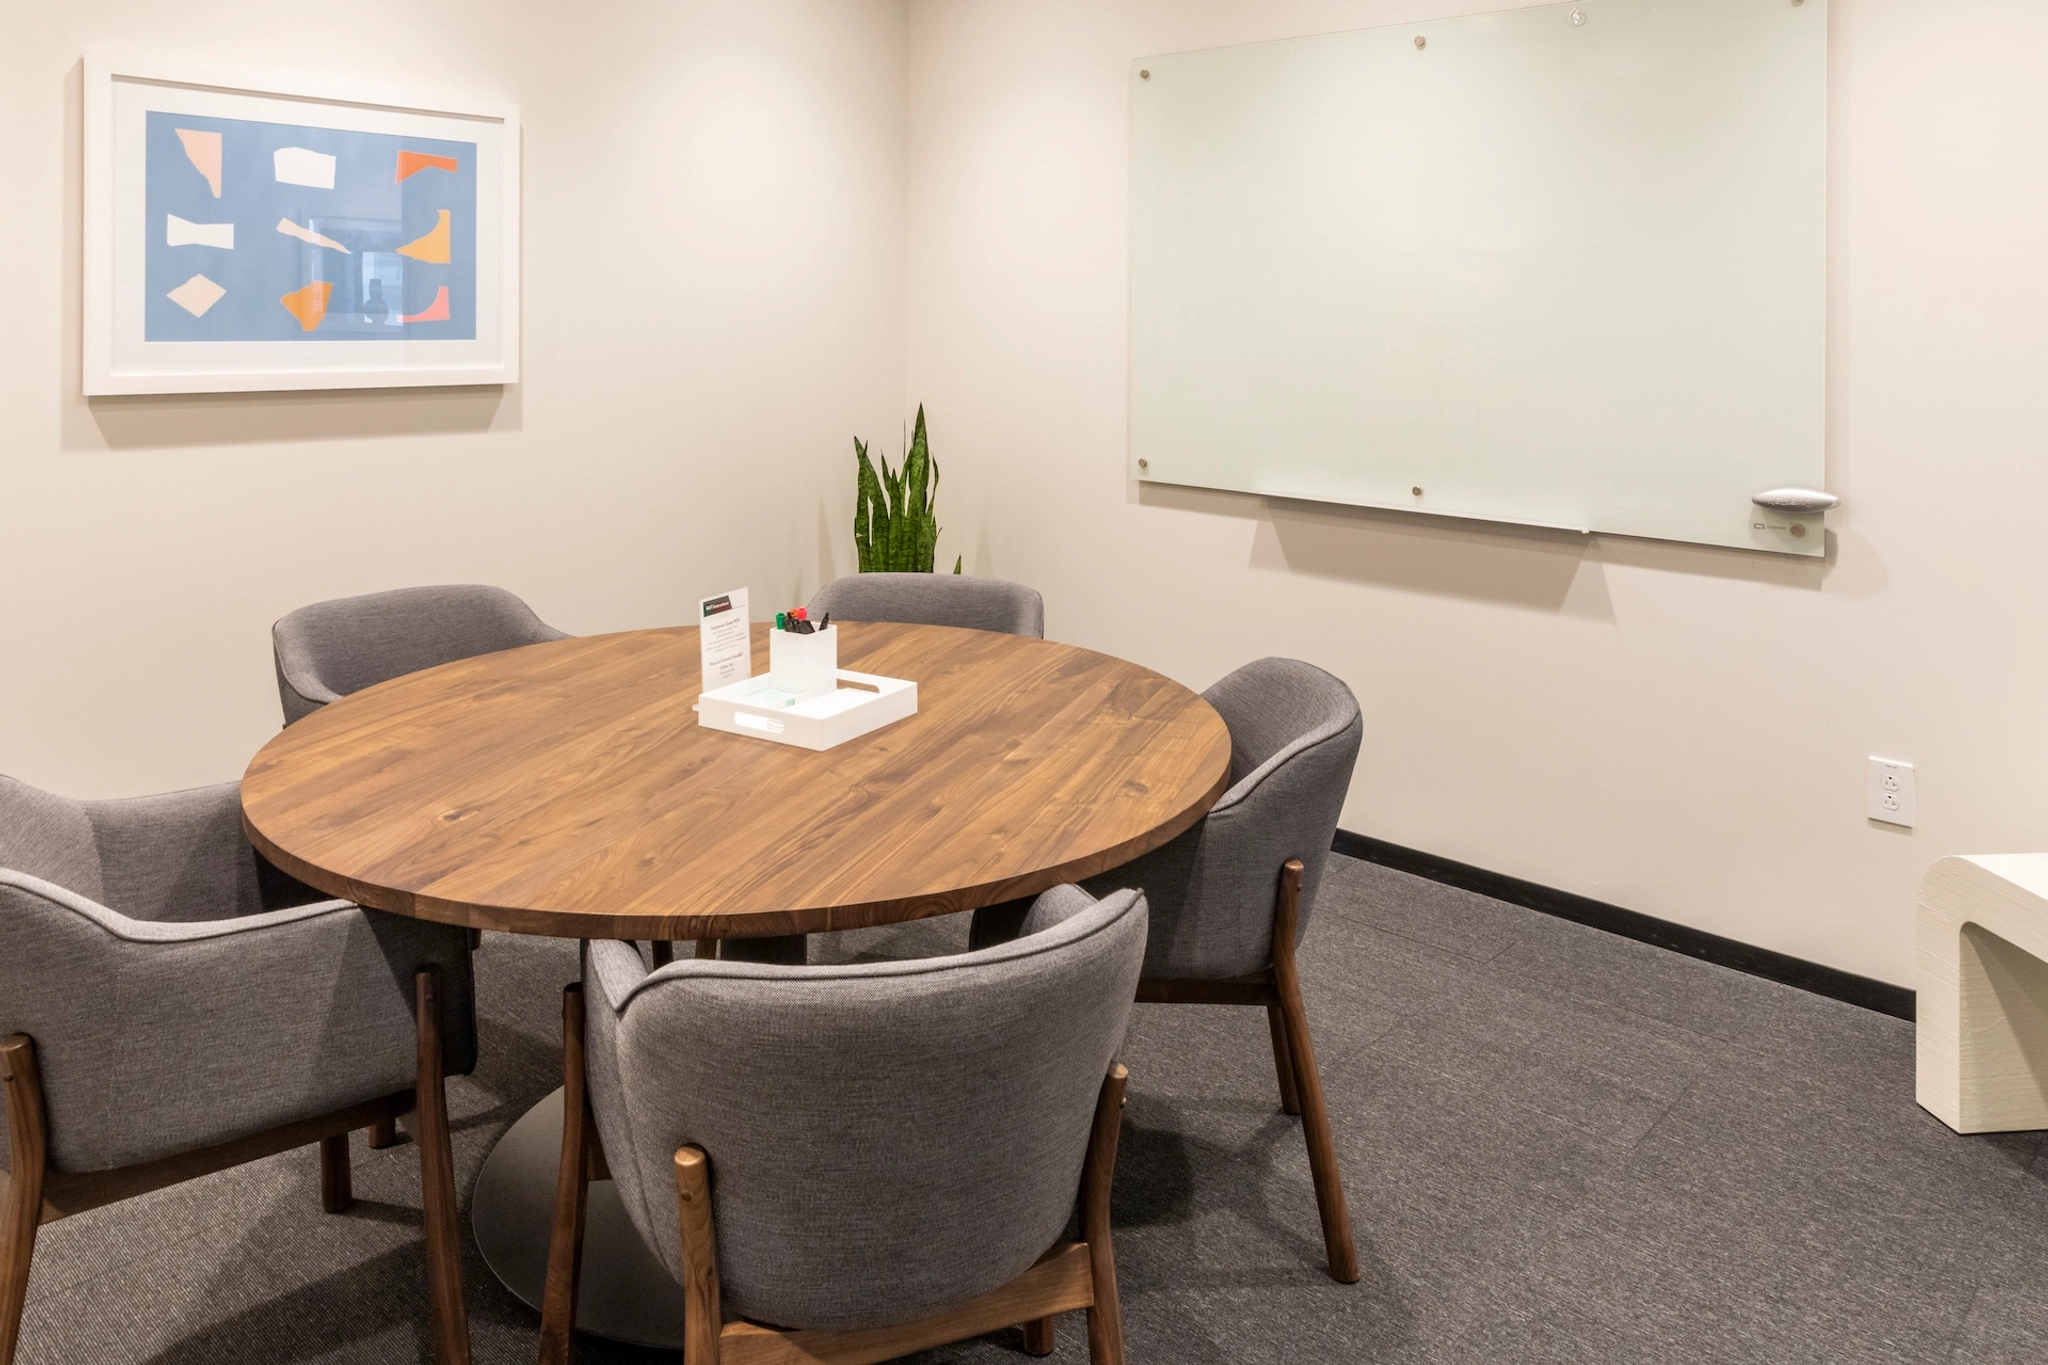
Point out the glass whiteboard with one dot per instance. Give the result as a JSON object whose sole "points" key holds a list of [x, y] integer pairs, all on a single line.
{"points": [[1562, 266]]}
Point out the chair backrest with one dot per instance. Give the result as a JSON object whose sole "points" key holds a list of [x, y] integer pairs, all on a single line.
{"points": [[174, 856], [1294, 738], [885, 1139], [330, 649], [935, 599], [49, 837]]}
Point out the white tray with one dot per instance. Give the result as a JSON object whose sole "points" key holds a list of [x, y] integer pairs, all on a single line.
{"points": [[756, 707]]}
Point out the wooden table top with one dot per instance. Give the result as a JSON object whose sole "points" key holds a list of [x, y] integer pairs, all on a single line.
{"points": [[567, 789]]}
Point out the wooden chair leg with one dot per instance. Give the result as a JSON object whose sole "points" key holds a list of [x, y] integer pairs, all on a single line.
{"points": [[1041, 1336], [664, 952], [1315, 1115], [1283, 1060], [703, 1320], [383, 1133], [337, 1193], [437, 1178], [28, 1161], [1105, 1317], [572, 1190]]}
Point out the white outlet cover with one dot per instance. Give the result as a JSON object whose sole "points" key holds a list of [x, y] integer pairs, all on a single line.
{"points": [[1891, 797]]}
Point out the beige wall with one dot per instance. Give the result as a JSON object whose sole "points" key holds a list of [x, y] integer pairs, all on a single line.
{"points": [[713, 288], [715, 294], [1678, 730]]}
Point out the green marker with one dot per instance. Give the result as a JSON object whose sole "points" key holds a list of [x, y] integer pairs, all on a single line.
{"points": [[782, 620]]}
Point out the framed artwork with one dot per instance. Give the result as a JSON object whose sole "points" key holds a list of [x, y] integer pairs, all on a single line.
{"points": [[245, 235]]}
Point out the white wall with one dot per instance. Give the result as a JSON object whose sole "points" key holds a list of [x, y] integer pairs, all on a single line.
{"points": [[1677, 730], [713, 289]]}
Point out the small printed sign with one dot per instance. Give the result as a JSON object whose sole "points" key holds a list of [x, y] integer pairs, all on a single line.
{"points": [[724, 649]]}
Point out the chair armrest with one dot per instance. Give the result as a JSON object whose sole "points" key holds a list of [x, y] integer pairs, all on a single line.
{"points": [[615, 968], [129, 930], [1012, 920], [1337, 731], [299, 690], [157, 1037]]}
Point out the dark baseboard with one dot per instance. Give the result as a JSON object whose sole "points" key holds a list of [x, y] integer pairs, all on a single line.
{"points": [[1881, 996]]}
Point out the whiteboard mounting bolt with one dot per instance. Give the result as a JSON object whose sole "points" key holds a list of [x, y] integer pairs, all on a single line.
{"points": [[1417, 490], [1144, 464], [1579, 16], [1420, 42], [1144, 75]]}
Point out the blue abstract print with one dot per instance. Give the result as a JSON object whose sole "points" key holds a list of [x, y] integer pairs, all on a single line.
{"points": [[283, 232]]}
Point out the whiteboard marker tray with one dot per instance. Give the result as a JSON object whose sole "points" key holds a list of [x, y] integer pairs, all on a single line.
{"points": [[756, 707]]}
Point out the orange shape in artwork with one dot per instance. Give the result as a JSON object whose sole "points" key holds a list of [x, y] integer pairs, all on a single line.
{"points": [[437, 311], [309, 305], [432, 248], [412, 163], [203, 151]]}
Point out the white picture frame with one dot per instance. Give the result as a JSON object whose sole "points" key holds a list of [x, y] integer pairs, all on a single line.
{"points": [[349, 247]]}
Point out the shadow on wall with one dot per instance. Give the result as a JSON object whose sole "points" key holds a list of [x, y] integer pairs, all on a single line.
{"points": [[1558, 572], [157, 421], [153, 421]]}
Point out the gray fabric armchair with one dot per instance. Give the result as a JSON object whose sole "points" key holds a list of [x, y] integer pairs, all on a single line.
{"points": [[1231, 897], [934, 599], [169, 1007], [874, 1158], [327, 650]]}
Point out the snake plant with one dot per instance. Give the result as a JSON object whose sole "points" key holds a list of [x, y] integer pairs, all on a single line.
{"points": [[895, 527]]}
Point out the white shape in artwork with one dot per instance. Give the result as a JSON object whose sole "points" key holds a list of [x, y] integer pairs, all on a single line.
{"points": [[308, 236], [298, 166], [196, 295], [178, 232]]}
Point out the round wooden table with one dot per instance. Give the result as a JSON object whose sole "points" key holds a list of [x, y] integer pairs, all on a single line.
{"points": [[567, 789]]}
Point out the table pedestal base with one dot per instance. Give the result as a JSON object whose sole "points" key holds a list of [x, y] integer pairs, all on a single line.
{"points": [[626, 1293]]}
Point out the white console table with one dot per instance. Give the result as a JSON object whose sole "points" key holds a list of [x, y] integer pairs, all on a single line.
{"points": [[1983, 992]]}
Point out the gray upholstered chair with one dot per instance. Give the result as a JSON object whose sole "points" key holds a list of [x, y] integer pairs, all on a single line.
{"points": [[875, 1159], [1231, 897], [170, 1006], [922, 599], [934, 599], [330, 649]]}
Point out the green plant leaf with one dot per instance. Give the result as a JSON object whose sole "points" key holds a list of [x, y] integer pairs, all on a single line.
{"points": [[870, 510], [890, 555], [896, 528], [921, 487]]}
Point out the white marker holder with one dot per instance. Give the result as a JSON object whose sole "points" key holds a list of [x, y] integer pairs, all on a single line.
{"points": [[807, 665], [802, 702]]}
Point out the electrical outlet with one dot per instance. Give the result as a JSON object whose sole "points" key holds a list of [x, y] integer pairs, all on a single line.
{"points": [[1891, 792]]}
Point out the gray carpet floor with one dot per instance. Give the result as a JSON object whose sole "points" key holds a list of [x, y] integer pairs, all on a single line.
{"points": [[1559, 1146]]}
